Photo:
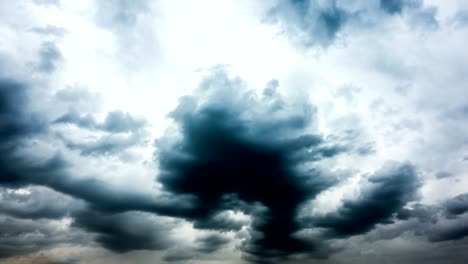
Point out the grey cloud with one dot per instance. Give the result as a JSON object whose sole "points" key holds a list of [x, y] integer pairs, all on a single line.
{"points": [[115, 121], [179, 254], [123, 232], [121, 13], [451, 230], [49, 56], [390, 189], [54, 173], [423, 213], [47, 2], [36, 203], [443, 175], [118, 121], [349, 92], [460, 19], [456, 206], [218, 221], [450, 209], [108, 145], [122, 132], [36, 258], [249, 147], [313, 22], [211, 243], [262, 144], [132, 22], [50, 30], [73, 117], [22, 236], [76, 97], [441, 222], [203, 245], [424, 18], [392, 6], [19, 124], [321, 23], [15, 120]]}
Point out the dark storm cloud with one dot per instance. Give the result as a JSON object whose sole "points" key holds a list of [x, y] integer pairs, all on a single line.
{"points": [[15, 120], [321, 23], [448, 220], [453, 229], [456, 206], [234, 150], [390, 189], [123, 232], [440, 222], [253, 153]]}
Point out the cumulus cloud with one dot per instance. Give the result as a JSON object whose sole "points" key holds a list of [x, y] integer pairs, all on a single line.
{"points": [[238, 150]]}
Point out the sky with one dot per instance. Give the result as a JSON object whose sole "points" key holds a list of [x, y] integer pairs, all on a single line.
{"points": [[233, 131]]}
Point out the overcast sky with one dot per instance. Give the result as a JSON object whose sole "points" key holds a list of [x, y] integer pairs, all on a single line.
{"points": [[234, 131]]}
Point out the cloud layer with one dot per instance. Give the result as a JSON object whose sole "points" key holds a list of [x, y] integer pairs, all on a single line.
{"points": [[142, 146]]}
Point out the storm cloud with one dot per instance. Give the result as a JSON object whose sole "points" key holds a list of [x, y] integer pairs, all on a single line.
{"points": [[390, 189], [239, 150], [282, 131]]}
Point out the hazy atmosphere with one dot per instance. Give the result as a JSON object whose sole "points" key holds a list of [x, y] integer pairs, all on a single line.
{"points": [[234, 131]]}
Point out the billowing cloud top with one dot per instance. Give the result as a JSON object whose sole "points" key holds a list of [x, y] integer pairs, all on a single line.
{"points": [[233, 132]]}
